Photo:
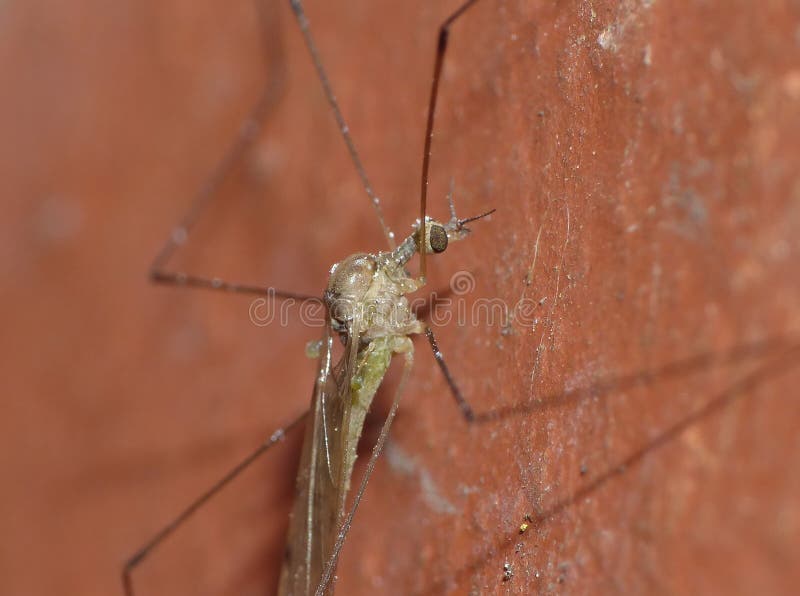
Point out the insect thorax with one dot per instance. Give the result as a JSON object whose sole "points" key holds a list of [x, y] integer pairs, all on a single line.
{"points": [[366, 297]]}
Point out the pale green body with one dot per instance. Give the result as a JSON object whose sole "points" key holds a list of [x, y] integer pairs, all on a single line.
{"points": [[378, 323], [368, 376], [368, 311]]}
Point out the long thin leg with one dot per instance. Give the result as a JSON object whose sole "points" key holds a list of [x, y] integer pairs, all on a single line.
{"points": [[302, 21], [441, 48], [330, 566], [184, 280], [463, 405], [244, 139], [140, 555]]}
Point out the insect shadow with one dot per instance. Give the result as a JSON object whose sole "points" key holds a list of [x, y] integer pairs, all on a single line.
{"points": [[781, 354]]}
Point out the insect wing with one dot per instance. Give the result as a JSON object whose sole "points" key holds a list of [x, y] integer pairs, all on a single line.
{"points": [[321, 486]]}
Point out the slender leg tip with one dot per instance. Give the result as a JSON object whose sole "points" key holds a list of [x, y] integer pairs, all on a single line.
{"points": [[469, 414]]}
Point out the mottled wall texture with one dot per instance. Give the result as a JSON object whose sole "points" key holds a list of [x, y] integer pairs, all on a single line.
{"points": [[627, 324]]}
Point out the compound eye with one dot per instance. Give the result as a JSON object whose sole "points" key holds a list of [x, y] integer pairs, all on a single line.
{"points": [[438, 238]]}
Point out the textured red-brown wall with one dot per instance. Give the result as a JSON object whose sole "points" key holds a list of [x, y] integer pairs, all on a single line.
{"points": [[641, 408]]}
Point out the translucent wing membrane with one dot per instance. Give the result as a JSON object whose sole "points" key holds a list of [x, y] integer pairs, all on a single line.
{"points": [[324, 476]]}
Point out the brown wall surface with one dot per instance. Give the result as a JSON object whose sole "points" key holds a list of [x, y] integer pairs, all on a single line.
{"points": [[641, 406]]}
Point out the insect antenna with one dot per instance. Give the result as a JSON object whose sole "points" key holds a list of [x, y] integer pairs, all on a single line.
{"points": [[461, 222], [457, 224]]}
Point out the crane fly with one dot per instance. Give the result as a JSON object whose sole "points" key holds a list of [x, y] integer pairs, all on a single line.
{"points": [[368, 310], [368, 321]]}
